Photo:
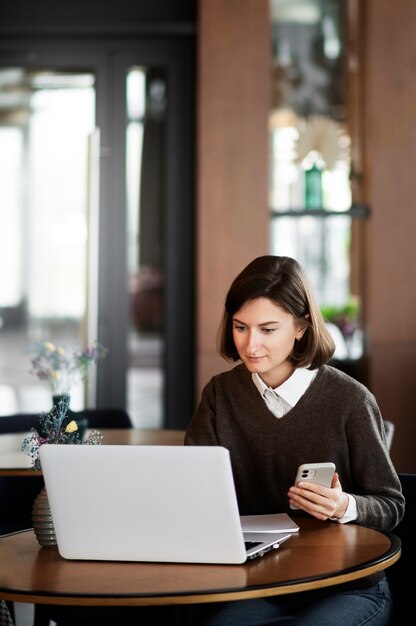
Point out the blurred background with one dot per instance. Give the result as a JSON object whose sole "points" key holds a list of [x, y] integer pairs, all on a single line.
{"points": [[150, 150]]}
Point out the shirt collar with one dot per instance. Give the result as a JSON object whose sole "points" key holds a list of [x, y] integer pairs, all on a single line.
{"points": [[293, 388]]}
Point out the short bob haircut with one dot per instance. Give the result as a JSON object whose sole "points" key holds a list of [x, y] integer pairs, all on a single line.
{"points": [[282, 280]]}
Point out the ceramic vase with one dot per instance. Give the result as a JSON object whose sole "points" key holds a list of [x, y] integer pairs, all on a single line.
{"points": [[42, 520], [56, 399]]}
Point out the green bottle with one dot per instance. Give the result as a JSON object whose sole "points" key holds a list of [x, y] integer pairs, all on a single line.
{"points": [[313, 188]]}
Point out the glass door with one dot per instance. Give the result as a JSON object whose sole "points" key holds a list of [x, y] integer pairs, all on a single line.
{"points": [[146, 287], [46, 119], [97, 205]]}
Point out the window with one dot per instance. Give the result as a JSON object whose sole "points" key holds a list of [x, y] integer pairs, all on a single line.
{"points": [[312, 209]]}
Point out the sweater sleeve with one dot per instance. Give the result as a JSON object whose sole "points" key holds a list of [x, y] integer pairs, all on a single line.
{"points": [[379, 498]]}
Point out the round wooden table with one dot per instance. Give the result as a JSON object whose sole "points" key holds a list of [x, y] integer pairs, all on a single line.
{"points": [[320, 555]]}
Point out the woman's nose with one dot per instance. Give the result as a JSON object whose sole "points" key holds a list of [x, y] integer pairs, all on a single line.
{"points": [[252, 341]]}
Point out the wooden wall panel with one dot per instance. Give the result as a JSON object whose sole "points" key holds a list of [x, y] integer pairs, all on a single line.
{"points": [[232, 169], [390, 185]]}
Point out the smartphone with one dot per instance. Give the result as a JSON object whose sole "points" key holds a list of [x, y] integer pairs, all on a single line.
{"points": [[320, 473]]}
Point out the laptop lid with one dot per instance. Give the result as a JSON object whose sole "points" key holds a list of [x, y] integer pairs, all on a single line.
{"points": [[147, 503]]}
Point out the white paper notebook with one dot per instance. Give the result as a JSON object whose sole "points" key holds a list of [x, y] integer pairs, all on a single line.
{"points": [[272, 523], [147, 503]]}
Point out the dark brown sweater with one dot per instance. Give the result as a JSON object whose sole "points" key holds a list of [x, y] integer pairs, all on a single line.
{"points": [[337, 419]]}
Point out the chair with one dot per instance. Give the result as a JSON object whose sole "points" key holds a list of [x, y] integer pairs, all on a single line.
{"points": [[401, 574], [17, 493], [18, 423], [389, 428], [97, 418], [106, 418], [6, 613]]}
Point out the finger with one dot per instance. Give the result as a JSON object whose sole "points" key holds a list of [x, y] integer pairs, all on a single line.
{"points": [[318, 508], [305, 488], [335, 481]]}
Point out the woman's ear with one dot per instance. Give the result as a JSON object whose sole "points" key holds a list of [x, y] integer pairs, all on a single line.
{"points": [[301, 330]]}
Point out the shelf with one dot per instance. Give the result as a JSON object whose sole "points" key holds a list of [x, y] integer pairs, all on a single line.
{"points": [[357, 211]]}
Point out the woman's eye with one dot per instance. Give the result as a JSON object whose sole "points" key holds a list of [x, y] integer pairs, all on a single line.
{"points": [[267, 331], [239, 329]]}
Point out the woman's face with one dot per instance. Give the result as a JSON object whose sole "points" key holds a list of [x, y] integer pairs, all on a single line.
{"points": [[264, 335]]}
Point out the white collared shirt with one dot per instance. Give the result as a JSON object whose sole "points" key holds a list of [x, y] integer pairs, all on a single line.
{"points": [[289, 393], [283, 398]]}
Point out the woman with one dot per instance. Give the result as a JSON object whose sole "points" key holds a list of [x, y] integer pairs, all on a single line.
{"points": [[283, 406]]}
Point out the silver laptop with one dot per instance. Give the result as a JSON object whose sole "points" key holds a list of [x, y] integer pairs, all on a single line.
{"points": [[148, 503]]}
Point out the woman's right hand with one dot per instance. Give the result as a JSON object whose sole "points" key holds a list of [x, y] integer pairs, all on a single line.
{"points": [[320, 502]]}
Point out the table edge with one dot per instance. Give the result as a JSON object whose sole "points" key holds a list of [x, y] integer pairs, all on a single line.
{"points": [[382, 562]]}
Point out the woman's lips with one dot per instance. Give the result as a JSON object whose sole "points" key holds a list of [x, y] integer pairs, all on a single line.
{"points": [[254, 359]]}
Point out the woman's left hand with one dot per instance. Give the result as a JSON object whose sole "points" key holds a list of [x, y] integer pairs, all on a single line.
{"points": [[321, 502]]}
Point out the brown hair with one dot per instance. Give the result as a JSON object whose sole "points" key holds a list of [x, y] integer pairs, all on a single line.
{"points": [[282, 280]]}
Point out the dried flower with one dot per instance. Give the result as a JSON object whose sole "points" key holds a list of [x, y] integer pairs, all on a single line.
{"points": [[72, 427], [53, 428], [324, 136], [59, 368]]}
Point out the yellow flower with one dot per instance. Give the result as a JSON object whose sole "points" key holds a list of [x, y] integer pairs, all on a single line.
{"points": [[55, 374], [72, 427], [60, 351], [49, 346]]}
